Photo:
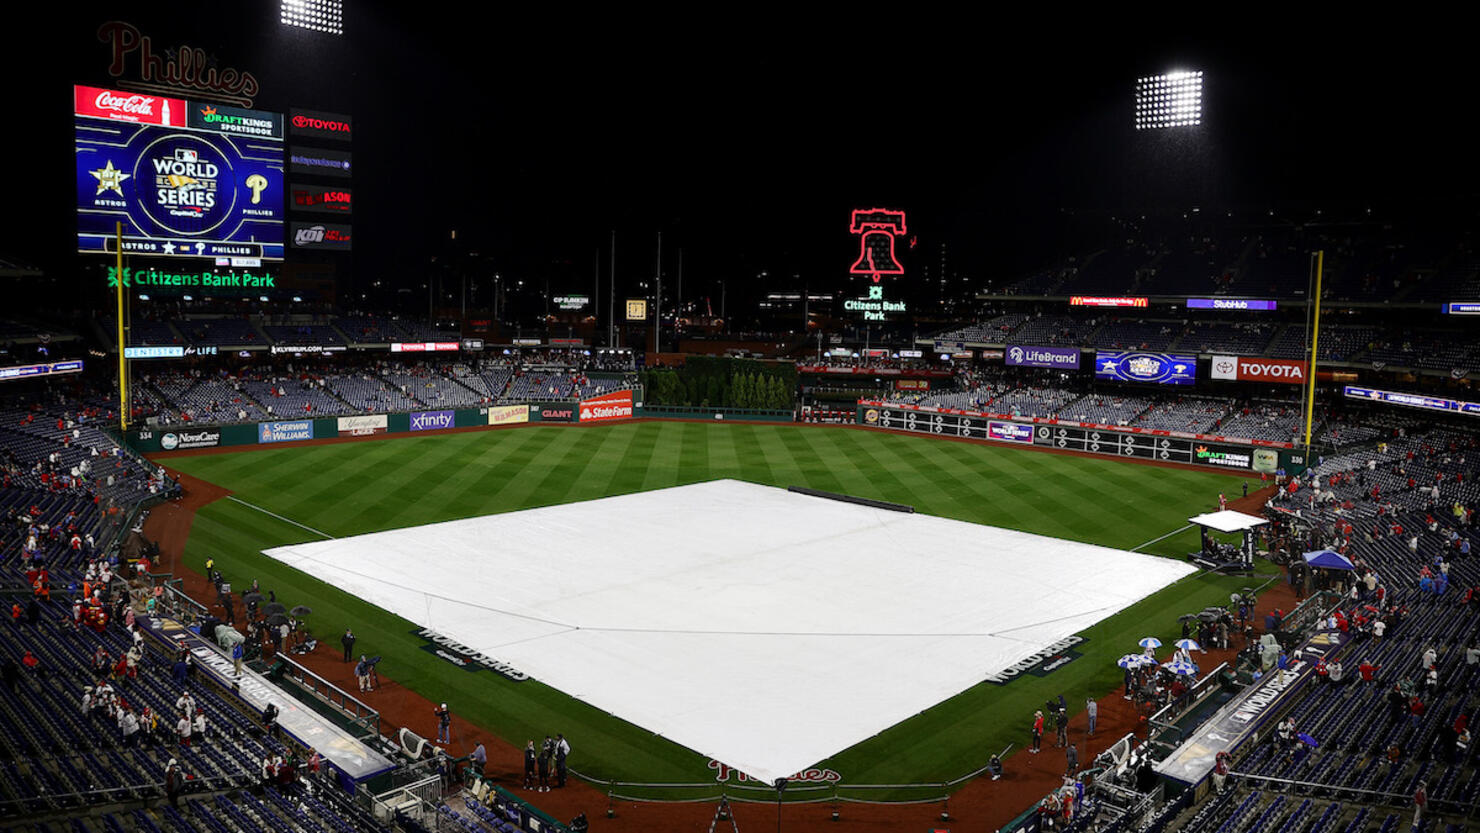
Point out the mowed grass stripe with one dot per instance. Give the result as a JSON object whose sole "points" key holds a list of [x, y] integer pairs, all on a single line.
{"points": [[498, 471]]}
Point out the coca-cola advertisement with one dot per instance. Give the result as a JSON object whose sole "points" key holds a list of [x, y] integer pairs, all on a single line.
{"points": [[138, 108]]}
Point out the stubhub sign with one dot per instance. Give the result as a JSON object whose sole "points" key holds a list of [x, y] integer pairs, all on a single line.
{"points": [[609, 406]]}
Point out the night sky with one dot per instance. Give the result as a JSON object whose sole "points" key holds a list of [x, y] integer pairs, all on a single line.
{"points": [[747, 136]]}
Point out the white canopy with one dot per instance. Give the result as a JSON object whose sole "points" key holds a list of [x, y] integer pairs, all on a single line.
{"points": [[1228, 521]]}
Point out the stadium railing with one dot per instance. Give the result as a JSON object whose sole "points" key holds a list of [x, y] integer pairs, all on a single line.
{"points": [[1165, 720], [362, 720]]}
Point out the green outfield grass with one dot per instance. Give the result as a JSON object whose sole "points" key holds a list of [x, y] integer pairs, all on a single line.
{"points": [[351, 488]]}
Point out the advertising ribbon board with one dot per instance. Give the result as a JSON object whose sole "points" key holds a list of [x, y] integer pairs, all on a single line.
{"points": [[433, 420], [1064, 358], [1255, 369]]}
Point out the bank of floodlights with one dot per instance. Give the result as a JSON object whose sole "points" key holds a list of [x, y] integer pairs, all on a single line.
{"points": [[1170, 100], [317, 15]]}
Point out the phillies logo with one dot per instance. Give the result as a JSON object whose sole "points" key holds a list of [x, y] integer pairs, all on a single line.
{"points": [[814, 775]]}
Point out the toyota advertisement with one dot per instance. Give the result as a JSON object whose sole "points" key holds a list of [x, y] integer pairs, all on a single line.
{"points": [[617, 405], [319, 125], [1155, 368], [1246, 369], [1063, 358], [186, 178]]}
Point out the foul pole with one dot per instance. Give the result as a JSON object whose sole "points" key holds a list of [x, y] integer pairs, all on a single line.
{"points": [[1315, 343], [122, 360]]}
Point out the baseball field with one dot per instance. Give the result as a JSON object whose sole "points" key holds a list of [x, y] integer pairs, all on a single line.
{"points": [[288, 494]]}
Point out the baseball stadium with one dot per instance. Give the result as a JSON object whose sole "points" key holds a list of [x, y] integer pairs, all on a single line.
{"points": [[1084, 477]]}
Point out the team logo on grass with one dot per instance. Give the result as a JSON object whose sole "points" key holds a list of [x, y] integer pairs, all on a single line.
{"points": [[1043, 663], [464, 657], [812, 775]]}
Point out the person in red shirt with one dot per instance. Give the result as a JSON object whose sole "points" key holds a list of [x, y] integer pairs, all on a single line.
{"points": [[1368, 670], [1037, 731]]}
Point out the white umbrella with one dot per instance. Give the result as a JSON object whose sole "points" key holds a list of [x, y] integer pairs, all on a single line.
{"points": [[1132, 661], [1179, 667], [1150, 642], [1188, 645]]}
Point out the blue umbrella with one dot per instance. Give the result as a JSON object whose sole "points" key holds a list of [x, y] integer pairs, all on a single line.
{"points": [[1150, 642], [1179, 667], [1308, 740], [1188, 645], [1132, 661]]}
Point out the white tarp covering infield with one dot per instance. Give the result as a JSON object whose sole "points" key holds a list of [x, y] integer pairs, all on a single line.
{"points": [[765, 629]]}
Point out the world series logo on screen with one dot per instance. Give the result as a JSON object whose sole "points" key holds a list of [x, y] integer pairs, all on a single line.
{"points": [[186, 178]]}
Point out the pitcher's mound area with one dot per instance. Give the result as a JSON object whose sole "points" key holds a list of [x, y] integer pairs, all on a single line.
{"points": [[764, 629]]}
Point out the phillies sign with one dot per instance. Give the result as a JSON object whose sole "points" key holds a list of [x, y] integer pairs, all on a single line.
{"points": [[182, 67], [813, 775], [1246, 369], [609, 406]]}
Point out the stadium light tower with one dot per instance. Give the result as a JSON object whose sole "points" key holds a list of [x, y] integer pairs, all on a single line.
{"points": [[1170, 100], [317, 15]]}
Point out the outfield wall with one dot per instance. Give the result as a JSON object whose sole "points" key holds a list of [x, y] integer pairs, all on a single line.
{"points": [[1222, 453]]}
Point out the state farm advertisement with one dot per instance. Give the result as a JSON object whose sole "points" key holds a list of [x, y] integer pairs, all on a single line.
{"points": [[363, 426], [1246, 369], [609, 406]]}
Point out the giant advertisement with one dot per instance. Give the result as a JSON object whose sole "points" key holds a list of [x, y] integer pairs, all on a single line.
{"points": [[282, 432], [1255, 369], [1156, 368], [617, 405], [186, 178], [1063, 358]]}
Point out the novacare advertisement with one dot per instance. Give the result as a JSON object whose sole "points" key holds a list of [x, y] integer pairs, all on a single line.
{"points": [[209, 438], [508, 414], [282, 432], [363, 426], [616, 405]]}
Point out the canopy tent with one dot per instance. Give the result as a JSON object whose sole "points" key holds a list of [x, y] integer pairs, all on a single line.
{"points": [[1216, 555], [1228, 521], [1328, 559]]}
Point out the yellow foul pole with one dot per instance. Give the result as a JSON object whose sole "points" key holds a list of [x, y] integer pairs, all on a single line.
{"points": [[122, 362], [1315, 340]]}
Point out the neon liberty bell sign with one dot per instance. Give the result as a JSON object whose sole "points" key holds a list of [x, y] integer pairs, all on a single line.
{"points": [[876, 229]]}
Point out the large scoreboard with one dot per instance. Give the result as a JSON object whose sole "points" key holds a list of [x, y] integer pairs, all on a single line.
{"points": [[1079, 438], [186, 178]]}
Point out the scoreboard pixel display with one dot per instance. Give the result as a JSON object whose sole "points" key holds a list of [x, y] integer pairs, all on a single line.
{"points": [[186, 178]]}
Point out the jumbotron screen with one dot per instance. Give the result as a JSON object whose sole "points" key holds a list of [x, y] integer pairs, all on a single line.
{"points": [[186, 178]]}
